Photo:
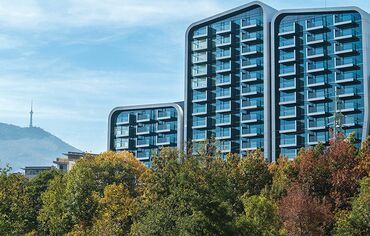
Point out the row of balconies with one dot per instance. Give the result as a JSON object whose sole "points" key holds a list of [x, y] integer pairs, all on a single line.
{"points": [[125, 131], [142, 118], [227, 120]]}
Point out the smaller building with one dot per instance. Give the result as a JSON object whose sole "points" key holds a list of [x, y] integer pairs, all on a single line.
{"points": [[33, 171], [66, 163]]}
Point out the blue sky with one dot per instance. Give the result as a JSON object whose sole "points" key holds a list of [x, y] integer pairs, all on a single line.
{"points": [[77, 59]]}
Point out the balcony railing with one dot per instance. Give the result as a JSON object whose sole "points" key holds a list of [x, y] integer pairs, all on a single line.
{"points": [[315, 38], [223, 27], [250, 23], [223, 93], [164, 115], [223, 41], [200, 96], [287, 29], [143, 130], [143, 142], [289, 98], [318, 138], [346, 92], [251, 36], [249, 118], [223, 80], [341, 34], [316, 95], [317, 124], [343, 19], [165, 140], [288, 113], [143, 117], [285, 127], [317, 110], [313, 67], [315, 81], [223, 120], [345, 48], [248, 50], [223, 107], [251, 63], [345, 62], [251, 131], [251, 90], [198, 110], [251, 104], [287, 71], [287, 43], [200, 123], [345, 77], [347, 106], [165, 127], [251, 145], [251, 76], [315, 24], [287, 84], [223, 67], [288, 141]]}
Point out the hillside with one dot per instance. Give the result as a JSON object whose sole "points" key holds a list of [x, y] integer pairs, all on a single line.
{"points": [[22, 147]]}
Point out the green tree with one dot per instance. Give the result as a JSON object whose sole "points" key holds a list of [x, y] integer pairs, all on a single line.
{"points": [[260, 216], [357, 221]]}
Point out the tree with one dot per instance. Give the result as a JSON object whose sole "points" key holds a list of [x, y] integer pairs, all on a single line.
{"points": [[260, 216], [357, 221], [283, 174], [303, 214]]}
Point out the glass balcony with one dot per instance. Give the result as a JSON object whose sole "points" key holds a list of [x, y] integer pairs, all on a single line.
{"points": [[288, 141], [250, 104], [223, 120], [251, 131], [315, 53], [251, 145], [317, 138], [199, 70], [224, 146], [140, 130], [199, 44], [223, 54], [223, 67], [317, 110], [122, 131], [250, 37], [199, 122], [223, 80], [250, 90], [316, 67], [143, 142], [287, 29], [251, 118], [317, 124], [251, 63], [316, 81], [143, 155], [347, 106], [286, 71], [199, 83], [165, 140], [344, 34], [222, 41], [251, 50], [223, 107], [287, 43], [345, 48], [251, 76], [288, 127], [287, 84], [315, 24], [122, 119], [199, 96], [289, 98], [223, 133], [201, 32], [223, 27], [250, 23], [143, 117], [316, 95], [121, 143], [287, 57], [345, 62], [287, 113], [161, 128], [199, 57], [223, 93], [200, 110], [349, 121], [343, 19], [163, 115], [345, 77], [199, 135], [346, 92], [315, 39]]}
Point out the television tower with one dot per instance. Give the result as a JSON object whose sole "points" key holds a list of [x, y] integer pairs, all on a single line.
{"points": [[31, 115]]}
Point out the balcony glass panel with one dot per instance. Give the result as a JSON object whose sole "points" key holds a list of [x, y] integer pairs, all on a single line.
{"points": [[346, 90], [317, 108], [288, 97], [288, 140], [251, 116], [199, 70], [312, 94], [316, 22], [223, 119], [251, 35], [347, 105], [122, 131], [317, 65], [287, 83], [223, 66], [286, 55], [315, 37], [164, 114], [286, 42], [223, 132], [287, 28], [123, 118], [251, 48], [317, 79], [251, 89], [225, 146], [288, 125], [143, 154], [345, 32], [252, 130], [345, 47], [220, 40], [315, 51], [199, 44], [223, 52], [198, 83], [223, 105], [198, 95], [348, 75], [162, 127], [318, 137], [251, 103], [223, 26], [250, 21], [251, 75], [201, 31], [199, 121], [199, 134], [199, 57], [252, 144], [143, 116], [141, 142], [345, 61], [288, 111], [223, 79], [251, 62], [166, 139], [343, 18], [287, 69], [347, 120], [121, 143], [143, 129], [319, 122], [223, 92], [199, 108]]}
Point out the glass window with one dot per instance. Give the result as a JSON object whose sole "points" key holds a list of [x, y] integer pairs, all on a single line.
{"points": [[199, 70], [123, 117], [199, 44], [199, 83], [220, 39], [121, 143], [201, 31], [199, 121], [199, 134], [222, 132], [223, 119]]}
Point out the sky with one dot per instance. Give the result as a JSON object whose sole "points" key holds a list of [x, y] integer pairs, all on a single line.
{"points": [[78, 59]]}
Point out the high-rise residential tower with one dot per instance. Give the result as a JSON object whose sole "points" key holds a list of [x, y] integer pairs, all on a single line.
{"points": [[144, 129], [227, 79], [320, 76]]}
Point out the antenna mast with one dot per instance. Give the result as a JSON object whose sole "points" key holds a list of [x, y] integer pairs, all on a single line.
{"points": [[31, 115]]}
